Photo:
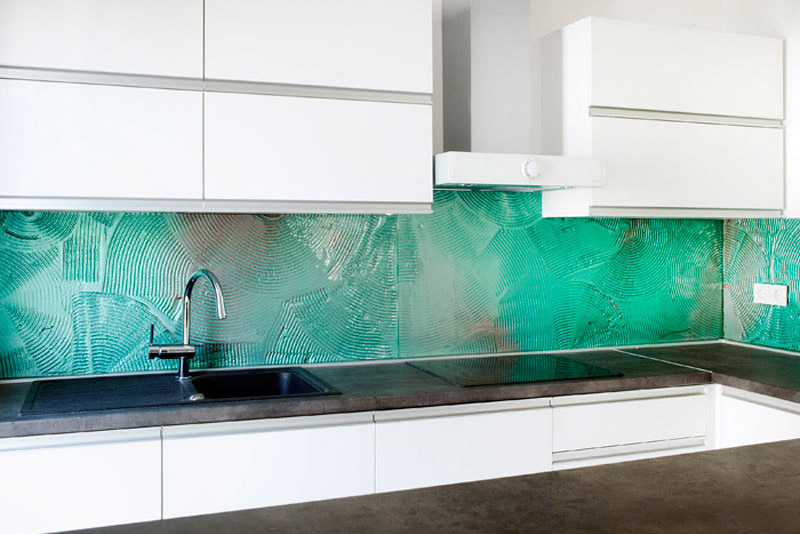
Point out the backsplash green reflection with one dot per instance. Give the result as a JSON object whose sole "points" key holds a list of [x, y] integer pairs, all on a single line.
{"points": [[766, 251], [483, 273]]}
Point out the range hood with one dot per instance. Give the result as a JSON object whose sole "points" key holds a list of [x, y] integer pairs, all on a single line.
{"points": [[488, 126], [514, 172]]}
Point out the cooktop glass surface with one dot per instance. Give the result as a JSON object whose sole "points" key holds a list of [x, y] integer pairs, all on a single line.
{"points": [[511, 369]]}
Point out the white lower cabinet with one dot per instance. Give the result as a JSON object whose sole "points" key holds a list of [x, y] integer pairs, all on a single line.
{"points": [[221, 467], [95, 479], [745, 418], [613, 427], [74, 481], [444, 445]]}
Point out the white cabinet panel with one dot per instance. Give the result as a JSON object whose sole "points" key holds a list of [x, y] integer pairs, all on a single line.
{"points": [[611, 419], [677, 165], [666, 68], [688, 165], [746, 418], [628, 453], [233, 466], [365, 44], [304, 149], [127, 36], [74, 481], [70, 140], [432, 446], [688, 122]]}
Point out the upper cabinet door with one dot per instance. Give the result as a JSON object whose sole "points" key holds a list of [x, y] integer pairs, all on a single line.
{"points": [[276, 148], [154, 37], [664, 68], [687, 165], [362, 44], [62, 140]]}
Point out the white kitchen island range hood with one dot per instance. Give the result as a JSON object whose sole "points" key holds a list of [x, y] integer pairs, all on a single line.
{"points": [[514, 172]]}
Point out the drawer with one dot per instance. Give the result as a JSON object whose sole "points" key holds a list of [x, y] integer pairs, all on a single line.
{"points": [[747, 418], [611, 419], [434, 446], [59, 482], [221, 467]]}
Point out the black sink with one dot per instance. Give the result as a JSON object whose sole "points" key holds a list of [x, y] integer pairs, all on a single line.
{"points": [[77, 395], [263, 383]]}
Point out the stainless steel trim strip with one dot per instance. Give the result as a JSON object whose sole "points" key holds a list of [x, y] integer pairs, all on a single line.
{"points": [[314, 91], [213, 86], [631, 395], [81, 439], [199, 430], [674, 116], [629, 449], [209, 206], [428, 412], [685, 213], [100, 78]]}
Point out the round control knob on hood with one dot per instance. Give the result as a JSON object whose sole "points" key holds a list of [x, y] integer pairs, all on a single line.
{"points": [[531, 169]]}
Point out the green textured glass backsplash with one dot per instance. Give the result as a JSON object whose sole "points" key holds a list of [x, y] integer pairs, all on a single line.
{"points": [[483, 273], [765, 251]]}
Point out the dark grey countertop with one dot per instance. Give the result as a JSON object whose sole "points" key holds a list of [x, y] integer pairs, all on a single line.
{"points": [[746, 489], [747, 367], [383, 386], [364, 387]]}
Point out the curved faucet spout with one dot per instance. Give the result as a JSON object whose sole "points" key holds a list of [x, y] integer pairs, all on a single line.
{"points": [[187, 299], [186, 352]]}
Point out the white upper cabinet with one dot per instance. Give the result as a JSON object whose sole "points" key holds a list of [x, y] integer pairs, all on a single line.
{"points": [[363, 44], [665, 68], [278, 149], [153, 37], [688, 122], [310, 106], [97, 142]]}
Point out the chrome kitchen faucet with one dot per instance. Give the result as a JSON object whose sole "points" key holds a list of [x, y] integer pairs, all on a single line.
{"points": [[185, 352]]}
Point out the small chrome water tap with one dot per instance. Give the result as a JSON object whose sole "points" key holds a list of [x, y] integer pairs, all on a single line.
{"points": [[185, 352]]}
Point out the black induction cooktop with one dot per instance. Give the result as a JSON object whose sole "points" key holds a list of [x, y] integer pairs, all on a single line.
{"points": [[518, 369]]}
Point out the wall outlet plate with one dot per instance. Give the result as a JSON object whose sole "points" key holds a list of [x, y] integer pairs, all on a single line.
{"points": [[773, 294]]}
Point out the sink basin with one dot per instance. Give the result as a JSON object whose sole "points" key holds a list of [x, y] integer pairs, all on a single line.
{"points": [[262, 383], [77, 395]]}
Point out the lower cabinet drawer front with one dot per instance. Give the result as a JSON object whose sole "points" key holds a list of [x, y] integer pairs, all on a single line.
{"points": [[610, 419], [748, 418], [459, 448], [235, 466], [75, 481], [627, 453]]}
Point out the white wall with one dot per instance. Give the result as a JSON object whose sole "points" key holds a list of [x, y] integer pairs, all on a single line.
{"points": [[771, 18]]}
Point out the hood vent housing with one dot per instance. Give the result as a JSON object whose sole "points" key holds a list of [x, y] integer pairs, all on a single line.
{"points": [[476, 171], [488, 121]]}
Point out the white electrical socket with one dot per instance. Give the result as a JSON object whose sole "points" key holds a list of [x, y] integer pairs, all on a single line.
{"points": [[772, 294]]}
